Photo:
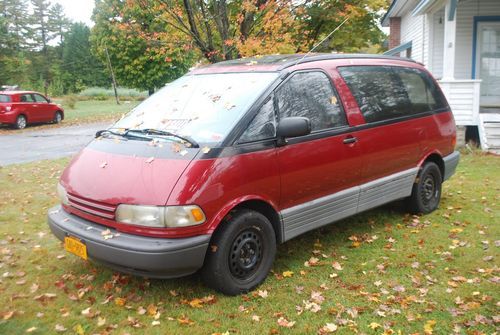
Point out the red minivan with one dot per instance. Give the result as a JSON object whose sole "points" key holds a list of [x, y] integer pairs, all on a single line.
{"points": [[221, 165], [19, 108]]}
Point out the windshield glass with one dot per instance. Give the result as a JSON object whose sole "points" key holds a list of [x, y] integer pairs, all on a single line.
{"points": [[202, 107]]}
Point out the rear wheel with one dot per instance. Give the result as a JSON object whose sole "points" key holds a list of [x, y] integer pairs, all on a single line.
{"points": [[426, 192], [241, 253], [21, 122], [57, 117]]}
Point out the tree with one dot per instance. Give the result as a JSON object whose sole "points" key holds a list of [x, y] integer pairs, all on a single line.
{"points": [[361, 30], [58, 24], [143, 63], [222, 29], [80, 68]]}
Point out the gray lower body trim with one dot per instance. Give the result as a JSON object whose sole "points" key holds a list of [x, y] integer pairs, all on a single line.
{"points": [[450, 164], [146, 256], [322, 211]]}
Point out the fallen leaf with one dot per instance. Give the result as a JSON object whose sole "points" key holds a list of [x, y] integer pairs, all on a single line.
{"points": [[285, 323]]}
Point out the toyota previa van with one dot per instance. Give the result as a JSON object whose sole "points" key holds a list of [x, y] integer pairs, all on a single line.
{"points": [[217, 168]]}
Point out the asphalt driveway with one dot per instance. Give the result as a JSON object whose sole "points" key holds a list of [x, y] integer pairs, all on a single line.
{"points": [[47, 143]]}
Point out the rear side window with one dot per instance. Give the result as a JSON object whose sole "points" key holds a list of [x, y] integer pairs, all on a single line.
{"points": [[386, 92], [4, 98], [311, 95], [27, 98]]}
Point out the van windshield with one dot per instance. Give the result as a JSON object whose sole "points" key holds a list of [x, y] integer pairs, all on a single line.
{"points": [[202, 107]]}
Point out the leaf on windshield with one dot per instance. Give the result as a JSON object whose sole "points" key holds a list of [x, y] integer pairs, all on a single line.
{"points": [[229, 105], [150, 160], [215, 98], [205, 150], [176, 147]]}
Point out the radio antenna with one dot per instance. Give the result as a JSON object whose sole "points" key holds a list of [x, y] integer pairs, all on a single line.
{"points": [[320, 42]]}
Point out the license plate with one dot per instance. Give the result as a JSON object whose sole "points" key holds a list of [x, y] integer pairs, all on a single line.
{"points": [[75, 246]]}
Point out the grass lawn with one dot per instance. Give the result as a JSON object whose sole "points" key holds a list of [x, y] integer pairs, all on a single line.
{"points": [[381, 272], [94, 110]]}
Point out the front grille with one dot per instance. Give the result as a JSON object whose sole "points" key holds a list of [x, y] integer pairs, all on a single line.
{"points": [[92, 207]]}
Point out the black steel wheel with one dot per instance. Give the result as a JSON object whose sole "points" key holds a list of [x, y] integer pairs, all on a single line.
{"points": [[426, 193], [241, 253]]}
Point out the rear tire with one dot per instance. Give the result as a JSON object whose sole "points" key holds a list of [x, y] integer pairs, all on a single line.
{"points": [[241, 253], [57, 117], [426, 192], [20, 122]]}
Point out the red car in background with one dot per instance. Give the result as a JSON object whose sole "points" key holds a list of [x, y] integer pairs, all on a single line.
{"points": [[20, 108]]}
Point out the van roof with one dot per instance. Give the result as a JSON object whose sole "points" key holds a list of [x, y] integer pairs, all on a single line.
{"points": [[281, 62]]}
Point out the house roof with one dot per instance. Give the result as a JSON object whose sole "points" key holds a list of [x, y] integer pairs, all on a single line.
{"points": [[399, 7]]}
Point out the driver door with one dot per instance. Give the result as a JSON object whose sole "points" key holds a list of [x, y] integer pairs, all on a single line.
{"points": [[319, 172]]}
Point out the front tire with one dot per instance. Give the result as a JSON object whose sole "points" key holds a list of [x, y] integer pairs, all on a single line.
{"points": [[426, 192], [57, 117], [21, 122], [241, 253]]}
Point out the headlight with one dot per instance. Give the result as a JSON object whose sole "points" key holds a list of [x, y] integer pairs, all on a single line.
{"points": [[156, 216], [63, 195]]}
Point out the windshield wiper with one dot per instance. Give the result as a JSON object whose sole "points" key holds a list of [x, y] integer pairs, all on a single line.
{"points": [[125, 134], [149, 131]]}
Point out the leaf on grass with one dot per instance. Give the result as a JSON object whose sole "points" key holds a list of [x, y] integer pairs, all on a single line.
{"points": [[313, 261], [120, 301], [31, 330], [429, 327], [337, 266], [328, 328], [263, 293], [285, 323], [287, 274], [59, 328]]}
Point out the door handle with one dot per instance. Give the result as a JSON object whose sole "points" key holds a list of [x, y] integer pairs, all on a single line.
{"points": [[350, 140]]}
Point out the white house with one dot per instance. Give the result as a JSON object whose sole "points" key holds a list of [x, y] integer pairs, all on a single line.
{"points": [[459, 42]]}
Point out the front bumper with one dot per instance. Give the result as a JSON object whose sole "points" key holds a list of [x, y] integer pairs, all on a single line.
{"points": [[138, 255]]}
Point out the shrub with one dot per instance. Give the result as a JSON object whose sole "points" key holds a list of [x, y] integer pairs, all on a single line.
{"points": [[70, 101]]}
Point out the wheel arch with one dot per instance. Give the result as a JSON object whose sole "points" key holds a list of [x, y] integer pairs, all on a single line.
{"points": [[436, 158], [60, 111], [259, 205]]}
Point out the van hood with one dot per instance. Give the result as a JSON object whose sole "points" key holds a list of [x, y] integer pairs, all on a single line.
{"points": [[113, 171]]}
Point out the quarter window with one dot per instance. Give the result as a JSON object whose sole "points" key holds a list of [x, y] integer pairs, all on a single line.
{"points": [[311, 95], [263, 126], [39, 98]]}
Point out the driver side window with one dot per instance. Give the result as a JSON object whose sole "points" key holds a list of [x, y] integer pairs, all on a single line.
{"points": [[263, 126]]}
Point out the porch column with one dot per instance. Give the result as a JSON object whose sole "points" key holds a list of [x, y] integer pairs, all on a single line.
{"points": [[450, 24]]}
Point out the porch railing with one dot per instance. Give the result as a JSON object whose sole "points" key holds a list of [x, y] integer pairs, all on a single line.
{"points": [[463, 96]]}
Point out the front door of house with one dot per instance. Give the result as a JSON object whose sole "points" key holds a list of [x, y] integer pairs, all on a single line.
{"points": [[488, 62]]}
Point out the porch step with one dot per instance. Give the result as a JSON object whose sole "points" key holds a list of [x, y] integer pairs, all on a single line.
{"points": [[489, 130]]}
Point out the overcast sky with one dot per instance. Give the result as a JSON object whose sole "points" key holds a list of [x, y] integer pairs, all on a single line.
{"points": [[78, 10]]}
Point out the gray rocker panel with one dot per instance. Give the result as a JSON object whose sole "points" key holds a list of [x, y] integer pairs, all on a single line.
{"points": [[325, 210]]}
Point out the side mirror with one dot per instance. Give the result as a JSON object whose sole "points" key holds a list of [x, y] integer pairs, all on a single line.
{"points": [[49, 101], [292, 127]]}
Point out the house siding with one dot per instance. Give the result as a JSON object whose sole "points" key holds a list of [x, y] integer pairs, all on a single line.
{"points": [[412, 29], [465, 27]]}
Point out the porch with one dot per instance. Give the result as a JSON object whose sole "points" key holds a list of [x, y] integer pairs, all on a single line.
{"points": [[459, 42]]}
